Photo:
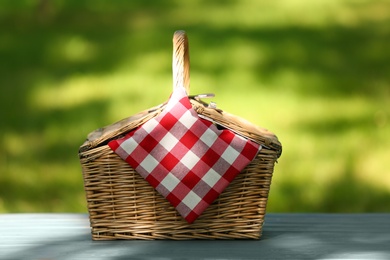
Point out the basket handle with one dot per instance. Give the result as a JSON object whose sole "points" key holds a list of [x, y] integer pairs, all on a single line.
{"points": [[181, 61]]}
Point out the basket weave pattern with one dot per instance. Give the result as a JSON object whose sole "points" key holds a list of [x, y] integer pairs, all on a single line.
{"points": [[122, 205]]}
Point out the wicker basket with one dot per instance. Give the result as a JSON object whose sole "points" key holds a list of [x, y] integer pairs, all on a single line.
{"points": [[122, 205]]}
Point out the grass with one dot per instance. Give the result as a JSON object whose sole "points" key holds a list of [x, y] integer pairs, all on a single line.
{"points": [[316, 73]]}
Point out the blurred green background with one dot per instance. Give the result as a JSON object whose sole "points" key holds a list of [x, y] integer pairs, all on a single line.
{"points": [[316, 73]]}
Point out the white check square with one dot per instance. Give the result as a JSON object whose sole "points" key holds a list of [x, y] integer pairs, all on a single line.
{"points": [[129, 145], [209, 137], [190, 159], [211, 178], [230, 154], [170, 182], [188, 119], [149, 163], [191, 200], [150, 125], [169, 141]]}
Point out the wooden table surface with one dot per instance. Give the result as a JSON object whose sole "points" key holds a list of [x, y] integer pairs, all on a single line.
{"points": [[285, 236]]}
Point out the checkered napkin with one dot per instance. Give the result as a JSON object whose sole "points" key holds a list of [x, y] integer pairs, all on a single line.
{"points": [[184, 157]]}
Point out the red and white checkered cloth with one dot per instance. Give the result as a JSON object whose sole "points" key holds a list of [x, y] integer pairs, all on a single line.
{"points": [[184, 157]]}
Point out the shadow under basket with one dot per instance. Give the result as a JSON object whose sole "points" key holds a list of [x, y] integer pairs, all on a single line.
{"points": [[123, 205]]}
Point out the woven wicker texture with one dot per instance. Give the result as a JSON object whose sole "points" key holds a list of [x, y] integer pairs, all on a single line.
{"points": [[122, 205]]}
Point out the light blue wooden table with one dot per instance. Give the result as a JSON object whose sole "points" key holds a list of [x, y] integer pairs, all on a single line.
{"points": [[285, 236]]}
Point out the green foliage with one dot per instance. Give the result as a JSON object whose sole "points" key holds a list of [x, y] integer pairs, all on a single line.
{"points": [[316, 73]]}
